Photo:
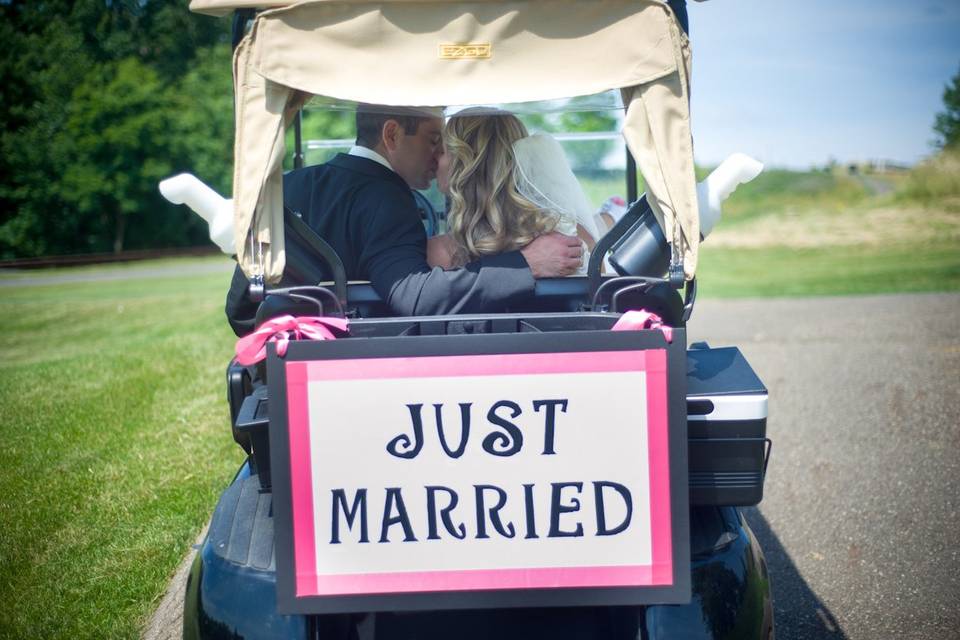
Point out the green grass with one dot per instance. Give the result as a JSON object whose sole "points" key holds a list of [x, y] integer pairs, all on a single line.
{"points": [[838, 270], [777, 190], [937, 179], [115, 446], [601, 186]]}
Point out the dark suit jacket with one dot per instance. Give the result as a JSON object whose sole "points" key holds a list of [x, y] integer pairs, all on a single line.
{"points": [[367, 213]]}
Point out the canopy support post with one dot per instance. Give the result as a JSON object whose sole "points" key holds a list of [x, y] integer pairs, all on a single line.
{"points": [[298, 140], [241, 18], [631, 178]]}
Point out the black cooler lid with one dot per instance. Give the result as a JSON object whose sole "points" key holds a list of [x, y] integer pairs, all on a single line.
{"points": [[723, 371]]}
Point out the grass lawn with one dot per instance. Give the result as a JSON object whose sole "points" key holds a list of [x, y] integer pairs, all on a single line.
{"points": [[115, 445], [837, 270]]}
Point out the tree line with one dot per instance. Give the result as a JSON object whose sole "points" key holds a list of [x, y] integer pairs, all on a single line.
{"points": [[946, 125], [99, 100]]}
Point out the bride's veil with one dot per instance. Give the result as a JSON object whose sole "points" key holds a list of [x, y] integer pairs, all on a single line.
{"points": [[544, 177]]}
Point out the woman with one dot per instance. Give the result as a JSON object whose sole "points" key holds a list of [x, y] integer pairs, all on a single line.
{"points": [[495, 207]]}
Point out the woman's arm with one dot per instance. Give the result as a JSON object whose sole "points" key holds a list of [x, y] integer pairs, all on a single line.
{"points": [[440, 250], [586, 237]]}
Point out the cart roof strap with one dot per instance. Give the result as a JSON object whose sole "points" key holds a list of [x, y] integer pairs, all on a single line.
{"points": [[453, 53]]}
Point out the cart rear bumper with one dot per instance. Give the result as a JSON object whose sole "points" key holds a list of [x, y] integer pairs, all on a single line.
{"points": [[232, 590]]}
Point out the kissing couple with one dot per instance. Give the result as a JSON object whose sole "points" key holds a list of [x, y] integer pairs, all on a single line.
{"points": [[516, 214]]}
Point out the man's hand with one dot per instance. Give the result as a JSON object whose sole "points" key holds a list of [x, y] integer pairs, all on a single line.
{"points": [[553, 255]]}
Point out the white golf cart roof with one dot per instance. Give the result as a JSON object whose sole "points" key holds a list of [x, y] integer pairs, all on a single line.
{"points": [[423, 53]]}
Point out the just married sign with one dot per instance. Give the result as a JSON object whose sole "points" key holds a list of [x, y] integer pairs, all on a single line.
{"points": [[479, 471]]}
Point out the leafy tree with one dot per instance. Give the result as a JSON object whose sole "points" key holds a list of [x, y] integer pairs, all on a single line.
{"points": [[99, 99], [201, 134], [115, 142], [320, 122], [588, 155], [36, 87], [579, 115], [947, 124]]}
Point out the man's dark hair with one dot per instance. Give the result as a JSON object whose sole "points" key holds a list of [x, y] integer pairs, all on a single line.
{"points": [[371, 118]]}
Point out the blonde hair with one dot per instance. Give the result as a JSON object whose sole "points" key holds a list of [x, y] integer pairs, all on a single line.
{"points": [[487, 214]]}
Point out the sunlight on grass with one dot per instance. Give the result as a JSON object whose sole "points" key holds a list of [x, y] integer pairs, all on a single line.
{"points": [[936, 179], [116, 445], [777, 190], [780, 271]]}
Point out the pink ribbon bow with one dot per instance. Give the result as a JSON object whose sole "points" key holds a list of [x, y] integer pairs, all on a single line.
{"points": [[637, 320], [253, 348]]}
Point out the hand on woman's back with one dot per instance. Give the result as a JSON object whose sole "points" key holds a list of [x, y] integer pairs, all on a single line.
{"points": [[553, 255], [440, 251]]}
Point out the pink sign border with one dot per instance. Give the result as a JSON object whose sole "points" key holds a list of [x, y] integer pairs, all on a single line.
{"points": [[308, 583]]}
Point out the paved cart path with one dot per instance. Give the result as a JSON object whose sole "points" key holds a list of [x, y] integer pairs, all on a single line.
{"points": [[115, 272], [860, 523]]}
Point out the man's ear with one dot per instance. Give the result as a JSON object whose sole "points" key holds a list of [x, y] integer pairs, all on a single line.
{"points": [[390, 135]]}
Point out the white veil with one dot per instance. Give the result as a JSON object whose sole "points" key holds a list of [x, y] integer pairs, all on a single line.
{"points": [[544, 177]]}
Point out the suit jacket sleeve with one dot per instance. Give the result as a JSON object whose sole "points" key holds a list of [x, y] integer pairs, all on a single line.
{"points": [[394, 258]]}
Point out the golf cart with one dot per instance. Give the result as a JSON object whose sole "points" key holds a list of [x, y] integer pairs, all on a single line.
{"points": [[597, 493]]}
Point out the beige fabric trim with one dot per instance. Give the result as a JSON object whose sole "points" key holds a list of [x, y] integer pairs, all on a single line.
{"points": [[657, 130], [258, 161]]}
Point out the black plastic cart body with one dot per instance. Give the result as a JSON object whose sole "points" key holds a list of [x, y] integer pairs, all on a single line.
{"points": [[234, 587]]}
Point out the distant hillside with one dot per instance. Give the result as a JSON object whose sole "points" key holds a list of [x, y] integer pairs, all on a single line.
{"points": [[778, 190], [818, 208], [816, 233], [936, 181]]}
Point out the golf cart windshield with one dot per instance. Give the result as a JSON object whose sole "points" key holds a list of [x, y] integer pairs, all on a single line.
{"points": [[585, 128], [458, 53]]}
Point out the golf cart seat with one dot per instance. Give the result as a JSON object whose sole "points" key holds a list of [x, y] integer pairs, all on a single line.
{"points": [[311, 261]]}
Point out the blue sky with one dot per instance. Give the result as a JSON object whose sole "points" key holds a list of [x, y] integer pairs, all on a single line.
{"points": [[797, 83]]}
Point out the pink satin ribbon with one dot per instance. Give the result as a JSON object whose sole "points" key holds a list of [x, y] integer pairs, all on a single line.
{"points": [[281, 330], [253, 348], [637, 320]]}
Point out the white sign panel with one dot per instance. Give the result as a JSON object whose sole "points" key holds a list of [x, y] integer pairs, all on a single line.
{"points": [[479, 472]]}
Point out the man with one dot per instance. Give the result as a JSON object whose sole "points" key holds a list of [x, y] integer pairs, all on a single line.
{"points": [[361, 204]]}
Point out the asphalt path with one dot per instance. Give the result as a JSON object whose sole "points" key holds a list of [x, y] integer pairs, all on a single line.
{"points": [[111, 273], [860, 522]]}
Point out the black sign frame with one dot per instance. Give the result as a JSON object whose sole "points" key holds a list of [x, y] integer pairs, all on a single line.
{"points": [[465, 345]]}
